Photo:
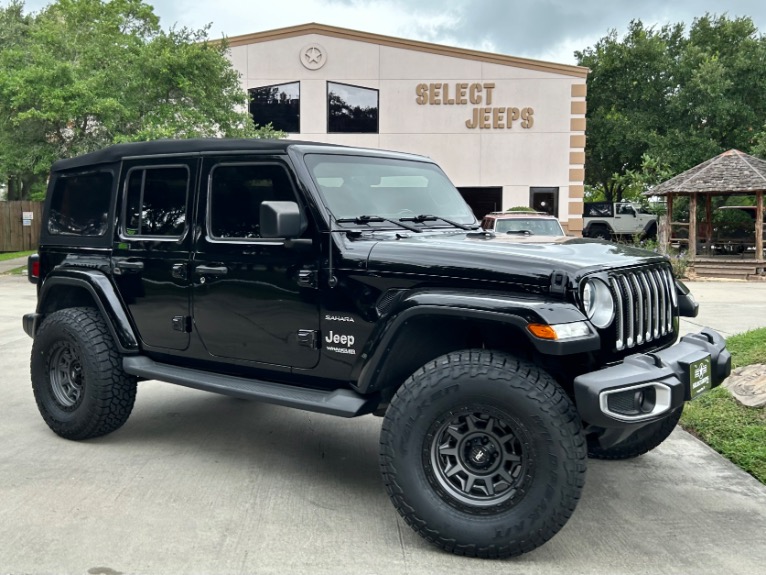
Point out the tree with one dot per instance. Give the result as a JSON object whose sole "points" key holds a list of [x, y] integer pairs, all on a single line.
{"points": [[83, 74], [677, 98]]}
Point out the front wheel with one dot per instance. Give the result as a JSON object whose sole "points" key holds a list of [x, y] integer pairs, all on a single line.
{"points": [[483, 454], [77, 377]]}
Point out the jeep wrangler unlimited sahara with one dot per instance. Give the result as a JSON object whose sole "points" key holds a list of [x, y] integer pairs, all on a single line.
{"points": [[348, 282]]}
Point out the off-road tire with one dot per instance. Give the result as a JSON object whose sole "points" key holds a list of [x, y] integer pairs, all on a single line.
{"points": [[650, 233], [77, 377], [533, 425], [642, 441], [600, 233]]}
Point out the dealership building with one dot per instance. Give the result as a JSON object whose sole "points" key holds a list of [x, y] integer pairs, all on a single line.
{"points": [[507, 131]]}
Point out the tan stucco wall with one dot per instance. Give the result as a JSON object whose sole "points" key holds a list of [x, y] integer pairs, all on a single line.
{"points": [[549, 154]]}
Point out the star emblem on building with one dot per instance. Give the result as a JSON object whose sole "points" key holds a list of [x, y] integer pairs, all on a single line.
{"points": [[313, 56]]}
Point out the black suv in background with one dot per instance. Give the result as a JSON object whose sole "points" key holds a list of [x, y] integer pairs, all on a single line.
{"points": [[350, 281]]}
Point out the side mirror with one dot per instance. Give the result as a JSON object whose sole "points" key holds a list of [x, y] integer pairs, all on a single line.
{"points": [[281, 220]]}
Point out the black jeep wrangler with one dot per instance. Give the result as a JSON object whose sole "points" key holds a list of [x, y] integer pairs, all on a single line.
{"points": [[348, 281]]}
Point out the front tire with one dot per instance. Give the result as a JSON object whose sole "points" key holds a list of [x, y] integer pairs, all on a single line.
{"points": [[77, 377], [483, 454], [642, 441]]}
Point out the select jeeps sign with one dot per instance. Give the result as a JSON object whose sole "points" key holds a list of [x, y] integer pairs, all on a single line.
{"points": [[484, 115]]}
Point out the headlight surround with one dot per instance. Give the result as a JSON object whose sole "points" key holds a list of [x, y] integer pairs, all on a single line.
{"points": [[598, 303]]}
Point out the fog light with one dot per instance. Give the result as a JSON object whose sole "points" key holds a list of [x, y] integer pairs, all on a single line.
{"points": [[636, 402], [644, 400]]}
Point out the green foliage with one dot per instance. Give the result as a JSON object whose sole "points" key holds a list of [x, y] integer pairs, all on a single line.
{"points": [[83, 74], [735, 431], [664, 94], [520, 209], [748, 348], [13, 255]]}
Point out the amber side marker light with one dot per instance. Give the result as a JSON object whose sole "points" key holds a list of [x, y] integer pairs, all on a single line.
{"points": [[542, 331]]}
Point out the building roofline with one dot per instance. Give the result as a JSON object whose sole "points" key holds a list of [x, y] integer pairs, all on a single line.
{"points": [[404, 44]]}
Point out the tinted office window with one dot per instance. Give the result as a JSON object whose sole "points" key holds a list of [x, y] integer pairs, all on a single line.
{"points": [[80, 205], [351, 109], [156, 201], [236, 194], [279, 104]]}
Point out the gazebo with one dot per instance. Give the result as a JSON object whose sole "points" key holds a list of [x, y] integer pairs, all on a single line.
{"points": [[736, 182]]}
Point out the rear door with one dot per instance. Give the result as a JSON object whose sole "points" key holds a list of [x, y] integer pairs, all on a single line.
{"points": [[253, 297], [151, 254]]}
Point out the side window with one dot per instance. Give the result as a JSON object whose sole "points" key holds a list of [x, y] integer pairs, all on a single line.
{"points": [[235, 196], [155, 201], [80, 205]]}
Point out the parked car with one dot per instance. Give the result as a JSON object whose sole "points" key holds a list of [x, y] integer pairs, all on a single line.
{"points": [[616, 221], [523, 223], [348, 281]]}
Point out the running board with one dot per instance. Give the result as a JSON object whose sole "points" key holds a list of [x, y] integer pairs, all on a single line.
{"points": [[342, 402]]}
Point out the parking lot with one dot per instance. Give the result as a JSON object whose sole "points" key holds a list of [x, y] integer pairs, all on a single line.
{"points": [[199, 483]]}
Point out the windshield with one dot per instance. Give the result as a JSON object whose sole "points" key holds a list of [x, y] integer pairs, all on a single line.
{"points": [[536, 226], [353, 186]]}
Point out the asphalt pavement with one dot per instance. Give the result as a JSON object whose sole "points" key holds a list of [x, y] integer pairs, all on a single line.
{"points": [[200, 483]]}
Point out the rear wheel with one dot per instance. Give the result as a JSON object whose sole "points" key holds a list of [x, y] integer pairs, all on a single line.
{"points": [[77, 377], [642, 441], [483, 454], [601, 233]]}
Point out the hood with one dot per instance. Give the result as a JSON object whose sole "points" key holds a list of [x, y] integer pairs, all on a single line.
{"points": [[522, 260]]}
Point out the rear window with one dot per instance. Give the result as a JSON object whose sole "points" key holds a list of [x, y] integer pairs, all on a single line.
{"points": [[80, 205]]}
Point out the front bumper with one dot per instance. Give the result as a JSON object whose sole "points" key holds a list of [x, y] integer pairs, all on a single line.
{"points": [[616, 397]]}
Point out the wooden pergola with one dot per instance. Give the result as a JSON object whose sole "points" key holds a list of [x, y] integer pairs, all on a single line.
{"points": [[730, 173]]}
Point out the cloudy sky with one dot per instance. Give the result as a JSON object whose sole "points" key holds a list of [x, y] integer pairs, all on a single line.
{"points": [[542, 29]]}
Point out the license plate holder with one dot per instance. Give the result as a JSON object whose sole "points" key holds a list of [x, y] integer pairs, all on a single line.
{"points": [[700, 377]]}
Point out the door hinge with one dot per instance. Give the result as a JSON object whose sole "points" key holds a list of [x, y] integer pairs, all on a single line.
{"points": [[307, 278], [182, 323], [559, 282], [179, 271], [308, 337]]}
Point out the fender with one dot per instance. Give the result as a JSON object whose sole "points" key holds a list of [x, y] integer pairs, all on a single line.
{"points": [[516, 310], [105, 297]]}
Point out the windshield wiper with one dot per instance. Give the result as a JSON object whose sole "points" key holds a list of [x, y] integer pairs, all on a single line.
{"points": [[366, 219], [520, 232], [429, 218]]}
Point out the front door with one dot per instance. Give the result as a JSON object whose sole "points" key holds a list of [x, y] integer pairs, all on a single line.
{"points": [[151, 253], [250, 300]]}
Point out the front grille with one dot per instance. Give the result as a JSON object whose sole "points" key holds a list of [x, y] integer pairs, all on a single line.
{"points": [[644, 305]]}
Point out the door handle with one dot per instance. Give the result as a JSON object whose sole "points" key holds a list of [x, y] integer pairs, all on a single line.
{"points": [[212, 270], [128, 265]]}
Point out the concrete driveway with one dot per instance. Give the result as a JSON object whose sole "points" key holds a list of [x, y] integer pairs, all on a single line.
{"points": [[199, 483]]}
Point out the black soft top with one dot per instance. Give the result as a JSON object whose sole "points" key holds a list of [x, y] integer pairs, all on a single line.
{"points": [[118, 152]]}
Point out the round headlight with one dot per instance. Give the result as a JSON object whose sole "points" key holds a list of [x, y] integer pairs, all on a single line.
{"points": [[598, 303]]}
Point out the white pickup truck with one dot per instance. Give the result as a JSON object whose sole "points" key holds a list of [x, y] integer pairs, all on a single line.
{"points": [[613, 221]]}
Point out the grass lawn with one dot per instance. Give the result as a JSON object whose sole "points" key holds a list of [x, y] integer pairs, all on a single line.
{"points": [[733, 430], [11, 255]]}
